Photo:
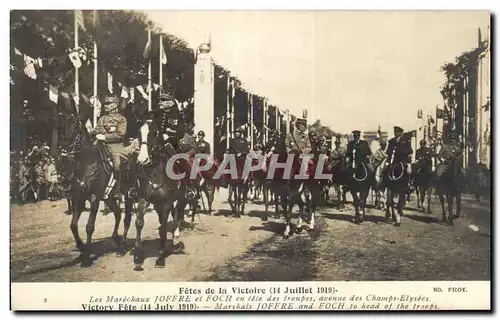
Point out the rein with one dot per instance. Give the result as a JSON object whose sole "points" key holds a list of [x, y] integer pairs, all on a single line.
{"points": [[366, 174], [392, 177]]}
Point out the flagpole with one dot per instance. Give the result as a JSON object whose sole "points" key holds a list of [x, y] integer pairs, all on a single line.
{"points": [[251, 122], [228, 112], [248, 115], [161, 63], [95, 73], [77, 84], [149, 77], [231, 114], [277, 125], [287, 129]]}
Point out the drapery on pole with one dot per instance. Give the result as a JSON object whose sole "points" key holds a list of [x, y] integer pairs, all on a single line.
{"points": [[228, 112], [95, 74], [160, 80]]}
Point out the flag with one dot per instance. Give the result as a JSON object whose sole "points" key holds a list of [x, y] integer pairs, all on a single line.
{"points": [[143, 93], [420, 114], [163, 54], [440, 113], [97, 105], [124, 92], [110, 82], [17, 52], [79, 19], [156, 86], [53, 94], [132, 95], [75, 59], [147, 49]]}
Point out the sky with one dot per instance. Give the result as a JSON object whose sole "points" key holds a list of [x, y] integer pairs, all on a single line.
{"points": [[350, 69]]}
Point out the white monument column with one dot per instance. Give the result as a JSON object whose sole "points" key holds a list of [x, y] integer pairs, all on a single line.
{"points": [[204, 94]]}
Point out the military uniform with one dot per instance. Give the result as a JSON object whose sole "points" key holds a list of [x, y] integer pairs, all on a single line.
{"points": [[446, 154], [203, 147], [379, 157], [398, 150], [239, 145], [298, 142], [360, 150]]}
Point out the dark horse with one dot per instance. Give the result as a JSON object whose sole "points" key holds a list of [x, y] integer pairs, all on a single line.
{"points": [[239, 184], [423, 181], [155, 186], [88, 175], [359, 182], [451, 183]]}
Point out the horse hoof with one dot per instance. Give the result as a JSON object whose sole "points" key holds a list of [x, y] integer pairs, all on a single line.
{"points": [[286, 236], [179, 247], [138, 267], [264, 218], [86, 262], [397, 224], [160, 263]]}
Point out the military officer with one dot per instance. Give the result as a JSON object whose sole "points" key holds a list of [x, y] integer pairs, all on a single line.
{"points": [[359, 151], [203, 146], [239, 145], [446, 154], [298, 141], [424, 153], [399, 150], [111, 128], [380, 155], [338, 154]]}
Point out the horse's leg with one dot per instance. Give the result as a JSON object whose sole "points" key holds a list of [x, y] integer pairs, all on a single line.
{"points": [[74, 229], [449, 200], [126, 223], [287, 213], [388, 205], [265, 193], [417, 193], [429, 193], [244, 200], [163, 218], [94, 206], [355, 202], [139, 224], [458, 198], [113, 205], [363, 195], [441, 200]]}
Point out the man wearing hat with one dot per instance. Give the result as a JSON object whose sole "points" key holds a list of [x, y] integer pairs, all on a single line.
{"points": [[446, 154], [238, 144], [359, 150], [202, 145], [380, 155], [298, 141], [399, 150], [338, 154], [111, 128], [423, 154]]}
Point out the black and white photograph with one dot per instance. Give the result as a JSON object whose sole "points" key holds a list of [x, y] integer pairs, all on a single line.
{"points": [[251, 146]]}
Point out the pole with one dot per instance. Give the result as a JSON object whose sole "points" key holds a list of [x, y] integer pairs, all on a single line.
{"points": [[95, 76], [277, 125], [77, 84], [150, 84], [251, 122], [228, 113], [160, 80], [233, 92], [264, 115], [287, 122]]}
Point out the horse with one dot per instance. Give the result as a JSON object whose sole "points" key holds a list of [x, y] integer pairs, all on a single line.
{"points": [[397, 185], [87, 180], [422, 177], [380, 185], [478, 177], [238, 186], [451, 184], [359, 182]]}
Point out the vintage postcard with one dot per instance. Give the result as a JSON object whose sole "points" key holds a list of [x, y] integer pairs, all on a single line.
{"points": [[250, 160]]}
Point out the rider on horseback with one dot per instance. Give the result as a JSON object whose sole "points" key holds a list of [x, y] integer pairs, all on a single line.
{"points": [[380, 155], [299, 142], [399, 150], [111, 128], [359, 150], [202, 145], [447, 153], [240, 147], [424, 154]]}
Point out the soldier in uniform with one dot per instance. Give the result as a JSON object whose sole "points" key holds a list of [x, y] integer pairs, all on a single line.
{"points": [[399, 150], [239, 145], [111, 128], [338, 154], [380, 155], [298, 141], [423, 154], [446, 154], [358, 150], [203, 146]]}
